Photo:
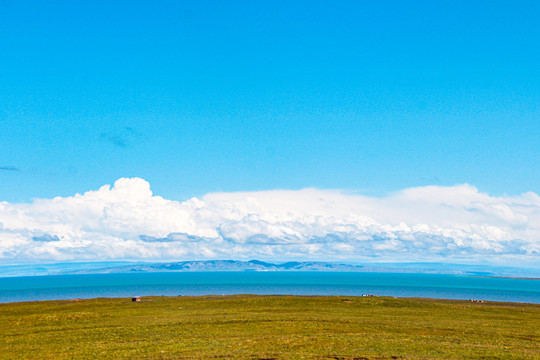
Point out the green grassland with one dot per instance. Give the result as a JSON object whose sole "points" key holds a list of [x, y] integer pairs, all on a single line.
{"points": [[269, 327]]}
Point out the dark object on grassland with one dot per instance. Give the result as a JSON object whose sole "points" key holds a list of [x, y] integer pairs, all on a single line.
{"points": [[136, 299], [474, 300]]}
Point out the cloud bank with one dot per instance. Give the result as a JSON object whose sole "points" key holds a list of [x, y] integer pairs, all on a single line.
{"points": [[126, 221]]}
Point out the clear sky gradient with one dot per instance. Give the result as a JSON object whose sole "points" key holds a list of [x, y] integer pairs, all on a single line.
{"points": [[205, 96]]}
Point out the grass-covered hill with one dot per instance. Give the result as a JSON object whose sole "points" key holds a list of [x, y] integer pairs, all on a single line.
{"points": [[269, 327]]}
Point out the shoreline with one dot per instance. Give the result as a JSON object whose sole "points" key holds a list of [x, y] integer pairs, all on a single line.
{"points": [[506, 277], [243, 295], [389, 271]]}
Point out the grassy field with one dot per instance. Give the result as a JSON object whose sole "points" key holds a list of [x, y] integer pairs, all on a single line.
{"points": [[269, 327]]}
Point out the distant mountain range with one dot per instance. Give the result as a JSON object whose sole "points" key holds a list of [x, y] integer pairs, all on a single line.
{"points": [[230, 265], [257, 265]]}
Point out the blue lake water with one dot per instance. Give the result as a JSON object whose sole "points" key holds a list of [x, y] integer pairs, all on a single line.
{"points": [[55, 287]]}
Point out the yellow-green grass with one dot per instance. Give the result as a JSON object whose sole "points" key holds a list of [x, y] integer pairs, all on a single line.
{"points": [[269, 327]]}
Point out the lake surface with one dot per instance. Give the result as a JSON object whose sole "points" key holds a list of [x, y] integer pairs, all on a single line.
{"points": [[56, 287]]}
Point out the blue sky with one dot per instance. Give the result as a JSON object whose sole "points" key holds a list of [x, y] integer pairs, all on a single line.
{"points": [[204, 96], [359, 131]]}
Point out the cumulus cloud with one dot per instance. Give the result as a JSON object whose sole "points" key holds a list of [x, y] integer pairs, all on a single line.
{"points": [[126, 221]]}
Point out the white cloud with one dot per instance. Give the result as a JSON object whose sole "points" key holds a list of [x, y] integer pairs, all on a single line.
{"points": [[417, 224]]}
